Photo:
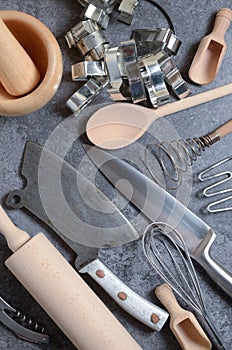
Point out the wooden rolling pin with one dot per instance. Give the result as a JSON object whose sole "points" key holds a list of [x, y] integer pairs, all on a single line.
{"points": [[18, 73], [62, 293], [183, 323]]}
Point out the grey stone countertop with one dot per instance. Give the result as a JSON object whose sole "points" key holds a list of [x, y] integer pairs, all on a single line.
{"points": [[193, 19]]}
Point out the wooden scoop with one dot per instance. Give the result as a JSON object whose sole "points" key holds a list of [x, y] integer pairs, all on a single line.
{"points": [[18, 73], [120, 124], [211, 50], [183, 323]]}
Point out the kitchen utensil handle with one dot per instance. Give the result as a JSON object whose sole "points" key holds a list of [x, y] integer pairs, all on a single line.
{"points": [[222, 22], [141, 309], [166, 296], [14, 236], [192, 101], [216, 271], [18, 73], [225, 129]]}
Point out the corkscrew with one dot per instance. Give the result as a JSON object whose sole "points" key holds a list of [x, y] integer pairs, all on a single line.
{"points": [[175, 157], [23, 326]]}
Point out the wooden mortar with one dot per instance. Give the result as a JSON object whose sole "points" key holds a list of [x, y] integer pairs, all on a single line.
{"points": [[43, 49]]}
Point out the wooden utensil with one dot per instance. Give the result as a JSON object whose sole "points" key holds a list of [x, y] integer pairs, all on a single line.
{"points": [[120, 124], [18, 73], [211, 50], [62, 293], [183, 323], [44, 50]]}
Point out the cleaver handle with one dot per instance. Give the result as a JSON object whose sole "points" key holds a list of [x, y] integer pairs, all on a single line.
{"points": [[144, 311], [215, 270]]}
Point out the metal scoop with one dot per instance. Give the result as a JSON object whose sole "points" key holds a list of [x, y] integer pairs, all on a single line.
{"points": [[211, 50]]}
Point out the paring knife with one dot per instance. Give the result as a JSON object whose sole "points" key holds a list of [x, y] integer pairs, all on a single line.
{"points": [[41, 197], [158, 205]]}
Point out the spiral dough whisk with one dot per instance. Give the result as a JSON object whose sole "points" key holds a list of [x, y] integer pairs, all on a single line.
{"points": [[176, 157]]}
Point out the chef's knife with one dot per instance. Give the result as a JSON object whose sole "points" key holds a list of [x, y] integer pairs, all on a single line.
{"points": [[42, 198], [158, 205]]}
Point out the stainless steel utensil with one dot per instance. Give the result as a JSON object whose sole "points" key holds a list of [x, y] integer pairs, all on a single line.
{"points": [[83, 237], [159, 205], [181, 154], [214, 189]]}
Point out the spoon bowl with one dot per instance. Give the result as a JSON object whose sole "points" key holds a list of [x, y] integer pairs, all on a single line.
{"points": [[120, 124]]}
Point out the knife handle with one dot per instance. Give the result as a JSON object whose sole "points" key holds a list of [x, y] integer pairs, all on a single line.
{"points": [[149, 314], [215, 270]]}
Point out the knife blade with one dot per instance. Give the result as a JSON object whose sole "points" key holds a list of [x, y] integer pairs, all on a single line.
{"points": [[41, 197], [158, 205]]}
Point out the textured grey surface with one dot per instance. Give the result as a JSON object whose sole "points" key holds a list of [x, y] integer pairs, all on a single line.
{"points": [[192, 20]]}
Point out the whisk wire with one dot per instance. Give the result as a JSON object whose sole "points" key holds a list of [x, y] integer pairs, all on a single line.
{"points": [[191, 292], [168, 275], [180, 154]]}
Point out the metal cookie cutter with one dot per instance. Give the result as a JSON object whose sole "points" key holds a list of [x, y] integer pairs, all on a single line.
{"points": [[127, 9], [79, 31], [92, 46], [157, 39], [173, 77], [113, 65], [137, 88], [96, 15], [106, 5], [209, 191], [154, 80], [82, 71], [85, 94], [89, 39], [22, 326]]}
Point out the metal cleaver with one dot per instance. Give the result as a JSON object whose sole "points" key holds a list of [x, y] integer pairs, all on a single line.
{"points": [[57, 193], [158, 205]]}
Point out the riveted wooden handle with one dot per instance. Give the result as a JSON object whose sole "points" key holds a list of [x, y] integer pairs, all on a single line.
{"points": [[18, 73]]}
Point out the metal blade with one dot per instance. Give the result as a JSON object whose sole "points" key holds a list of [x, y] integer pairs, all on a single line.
{"points": [[71, 205], [152, 200]]}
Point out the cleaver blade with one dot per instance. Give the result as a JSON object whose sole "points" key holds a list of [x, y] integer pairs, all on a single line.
{"points": [[158, 205], [41, 196]]}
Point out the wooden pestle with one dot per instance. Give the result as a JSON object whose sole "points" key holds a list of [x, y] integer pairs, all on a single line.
{"points": [[183, 323], [18, 73], [62, 293]]}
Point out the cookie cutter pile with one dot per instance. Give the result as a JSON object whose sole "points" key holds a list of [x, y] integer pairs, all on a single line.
{"points": [[122, 70]]}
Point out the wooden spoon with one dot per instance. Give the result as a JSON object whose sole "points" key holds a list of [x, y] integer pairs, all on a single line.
{"points": [[18, 73], [120, 124], [183, 323], [211, 50]]}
